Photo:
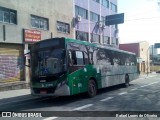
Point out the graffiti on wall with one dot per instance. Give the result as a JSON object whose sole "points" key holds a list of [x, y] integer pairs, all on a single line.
{"points": [[11, 67]]}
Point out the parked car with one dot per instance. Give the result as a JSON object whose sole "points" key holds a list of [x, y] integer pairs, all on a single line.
{"points": [[158, 71]]}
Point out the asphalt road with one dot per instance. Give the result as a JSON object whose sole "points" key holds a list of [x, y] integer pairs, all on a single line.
{"points": [[142, 95]]}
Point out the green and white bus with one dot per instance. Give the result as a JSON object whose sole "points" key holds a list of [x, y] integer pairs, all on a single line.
{"points": [[64, 66]]}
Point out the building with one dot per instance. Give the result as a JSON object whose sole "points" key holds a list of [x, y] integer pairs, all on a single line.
{"points": [[155, 57], [89, 21], [23, 22], [142, 51], [153, 50]]}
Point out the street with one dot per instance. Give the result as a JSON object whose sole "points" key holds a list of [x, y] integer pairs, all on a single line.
{"points": [[143, 94]]}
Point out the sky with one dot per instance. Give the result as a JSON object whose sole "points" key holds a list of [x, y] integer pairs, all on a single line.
{"points": [[141, 22]]}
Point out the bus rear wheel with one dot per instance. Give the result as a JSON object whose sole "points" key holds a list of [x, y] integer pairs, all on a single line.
{"points": [[126, 81], [92, 89]]}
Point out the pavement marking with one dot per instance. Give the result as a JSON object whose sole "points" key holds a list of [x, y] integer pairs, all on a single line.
{"points": [[122, 93], [50, 118], [106, 99], [82, 107], [134, 89], [149, 84]]}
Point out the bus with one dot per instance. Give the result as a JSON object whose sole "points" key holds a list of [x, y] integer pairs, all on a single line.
{"points": [[64, 66]]}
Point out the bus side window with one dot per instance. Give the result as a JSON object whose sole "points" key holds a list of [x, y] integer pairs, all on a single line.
{"points": [[70, 61], [86, 59], [79, 58], [73, 59]]}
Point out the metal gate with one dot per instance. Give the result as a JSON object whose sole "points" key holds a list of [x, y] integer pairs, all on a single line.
{"points": [[11, 63]]}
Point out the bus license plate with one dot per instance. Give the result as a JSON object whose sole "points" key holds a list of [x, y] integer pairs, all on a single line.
{"points": [[43, 92]]}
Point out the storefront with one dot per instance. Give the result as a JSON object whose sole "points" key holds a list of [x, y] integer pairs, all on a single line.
{"points": [[11, 62]]}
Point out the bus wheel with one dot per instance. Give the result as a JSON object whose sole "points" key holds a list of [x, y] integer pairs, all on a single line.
{"points": [[126, 81], [92, 89]]}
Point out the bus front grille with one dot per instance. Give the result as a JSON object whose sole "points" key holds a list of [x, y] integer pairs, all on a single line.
{"points": [[44, 90]]}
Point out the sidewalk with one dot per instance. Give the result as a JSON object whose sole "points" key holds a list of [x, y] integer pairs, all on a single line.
{"points": [[13, 85], [15, 92], [15, 96], [142, 75]]}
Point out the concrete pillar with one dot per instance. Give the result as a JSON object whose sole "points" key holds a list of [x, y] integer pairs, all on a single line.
{"points": [[27, 69]]}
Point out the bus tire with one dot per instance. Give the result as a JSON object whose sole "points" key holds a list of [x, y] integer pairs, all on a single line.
{"points": [[92, 88], [127, 81]]}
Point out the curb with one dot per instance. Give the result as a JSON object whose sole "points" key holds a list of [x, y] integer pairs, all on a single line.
{"points": [[14, 86], [24, 98]]}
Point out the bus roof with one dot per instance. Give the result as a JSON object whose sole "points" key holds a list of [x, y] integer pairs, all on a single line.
{"points": [[97, 45], [87, 43]]}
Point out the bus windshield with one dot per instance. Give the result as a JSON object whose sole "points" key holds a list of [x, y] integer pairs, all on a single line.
{"points": [[48, 61]]}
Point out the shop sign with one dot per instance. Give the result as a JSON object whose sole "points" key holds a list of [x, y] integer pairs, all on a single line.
{"points": [[32, 35]]}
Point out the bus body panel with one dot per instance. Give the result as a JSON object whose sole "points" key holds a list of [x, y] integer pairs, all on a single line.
{"points": [[107, 66], [79, 79]]}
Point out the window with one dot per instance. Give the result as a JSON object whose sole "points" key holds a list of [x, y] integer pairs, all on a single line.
{"points": [[95, 38], [82, 35], [94, 17], [105, 40], [105, 3], [81, 11], [109, 40], [116, 26], [8, 15], [86, 60], [63, 27], [113, 40], [39, 22], [113, 7], [103, 19], [117, 41], [97, 1], [77, 58]]}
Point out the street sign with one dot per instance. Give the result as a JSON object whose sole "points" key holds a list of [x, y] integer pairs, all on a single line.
{"points": [[157, 45], [114, 19]]}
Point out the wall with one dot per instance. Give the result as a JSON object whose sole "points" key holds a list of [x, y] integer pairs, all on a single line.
{"points": [[132, 47], [87, 25], [12, 52], [144, 54], [54, 10]]}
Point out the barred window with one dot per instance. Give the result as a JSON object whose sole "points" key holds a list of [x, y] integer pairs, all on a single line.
{"points": [[82, 35], [117, 41], [103, 19], [8, 15], [105, 3], [105, 40], [81, 11], [97, 1], [94, 17], [95, 38], [63, 27], [39, 22], [113, 7]]}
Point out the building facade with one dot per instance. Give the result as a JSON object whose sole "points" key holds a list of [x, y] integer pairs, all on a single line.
{"points": [[89, 21], [23, 22], [153, 50], [142, 52]]}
